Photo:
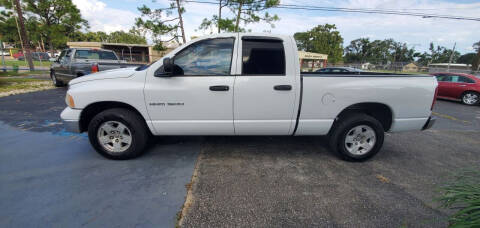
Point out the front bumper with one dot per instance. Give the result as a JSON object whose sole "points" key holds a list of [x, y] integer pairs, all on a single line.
{"points": [[71, 119], [431, 120]]}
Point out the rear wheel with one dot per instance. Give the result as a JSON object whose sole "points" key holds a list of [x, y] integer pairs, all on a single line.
{"points": [[357, 137], [55, 80], [470, 98], [118, 134]]}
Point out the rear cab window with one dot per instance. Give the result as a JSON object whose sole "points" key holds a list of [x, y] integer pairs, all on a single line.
{"points": [[95, 54], [263, 56]]}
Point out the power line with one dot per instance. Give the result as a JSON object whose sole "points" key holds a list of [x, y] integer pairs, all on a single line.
{"points": [[359, 10]]}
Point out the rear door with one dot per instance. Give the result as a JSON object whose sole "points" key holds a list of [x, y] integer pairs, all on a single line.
{"points": [[265, 88], [461, 85], [441, 79]]}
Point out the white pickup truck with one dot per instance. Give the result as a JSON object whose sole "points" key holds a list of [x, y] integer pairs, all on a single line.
{"points": [[245, 84]]}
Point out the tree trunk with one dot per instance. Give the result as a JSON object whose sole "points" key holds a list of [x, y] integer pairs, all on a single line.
{"points": [[239, 13], [181, 21], [23, 35], [50, 45], [219, 15]]}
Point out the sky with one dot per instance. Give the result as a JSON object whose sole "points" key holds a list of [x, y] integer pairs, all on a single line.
{"points": [[417, 32]]}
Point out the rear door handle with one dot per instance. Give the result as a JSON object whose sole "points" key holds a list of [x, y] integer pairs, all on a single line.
{"points": [[282, 87], [219, 88], [462, 85]]}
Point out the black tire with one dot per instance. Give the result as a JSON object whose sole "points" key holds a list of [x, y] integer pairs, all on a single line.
{"points": [[55, 81], [344, 125], [472, 94], [135, 124]]}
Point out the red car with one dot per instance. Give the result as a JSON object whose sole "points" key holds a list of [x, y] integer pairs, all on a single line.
{"points": [[465, 87]]}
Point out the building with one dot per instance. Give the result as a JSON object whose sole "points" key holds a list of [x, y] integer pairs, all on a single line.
{"points": [[411, 67], [454, 67], [139, 53], [310, 61]]}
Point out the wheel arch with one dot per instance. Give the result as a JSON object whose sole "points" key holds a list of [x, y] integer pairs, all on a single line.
{"points": [[380, 111], [94, 108]]}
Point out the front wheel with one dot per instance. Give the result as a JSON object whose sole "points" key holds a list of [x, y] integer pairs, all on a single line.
{"points": [[470, 98], [118, 134], [357, 137], [55, 80]]}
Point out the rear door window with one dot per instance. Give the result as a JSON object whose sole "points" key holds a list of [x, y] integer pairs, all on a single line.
{"points": [[263, 57], [464, 79]]}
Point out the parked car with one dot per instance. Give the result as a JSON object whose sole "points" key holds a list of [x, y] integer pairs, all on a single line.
{"points": [[38, 56], [338, 70], [458, 86], [245, 84], [76, 62]]}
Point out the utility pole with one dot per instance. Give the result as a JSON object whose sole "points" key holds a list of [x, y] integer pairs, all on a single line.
{"points": [[451, 57], [23, 35], [179, 9]]}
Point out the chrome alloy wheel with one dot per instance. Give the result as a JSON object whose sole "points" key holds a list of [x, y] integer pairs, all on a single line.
{"points": [[470, 98], [114, 136], [360, 140]]}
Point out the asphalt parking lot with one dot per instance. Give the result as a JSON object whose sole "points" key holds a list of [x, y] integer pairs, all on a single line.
{"points": [[50, 177]]}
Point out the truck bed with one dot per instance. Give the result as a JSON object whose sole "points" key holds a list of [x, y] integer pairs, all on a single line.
{"points": [[324, 95]]}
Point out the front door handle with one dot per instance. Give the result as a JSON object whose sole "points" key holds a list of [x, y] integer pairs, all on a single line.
{"points": [[219, 88], [282, 87]]}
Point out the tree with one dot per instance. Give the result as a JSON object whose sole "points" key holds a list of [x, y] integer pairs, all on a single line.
{"points": [[59, 19], [243, 10], [378, 51], [324, 39], [359, 50], [180, 11], [157, 24], [437, 54], [467, 58], [8, 27], [130, 37], [246, 11]]}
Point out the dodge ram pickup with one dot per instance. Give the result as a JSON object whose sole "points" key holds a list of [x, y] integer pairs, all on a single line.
{"points": [[76, 62], [245, 84]]}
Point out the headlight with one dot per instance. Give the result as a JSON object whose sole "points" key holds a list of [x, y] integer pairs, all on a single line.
{"points": [[69, 101]]}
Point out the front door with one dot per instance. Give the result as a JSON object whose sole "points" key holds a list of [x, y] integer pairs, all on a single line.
{"points": [[198, 98], [265, 88]]}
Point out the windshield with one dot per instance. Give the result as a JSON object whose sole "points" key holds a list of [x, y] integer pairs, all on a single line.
{"points": [[95, 54]]}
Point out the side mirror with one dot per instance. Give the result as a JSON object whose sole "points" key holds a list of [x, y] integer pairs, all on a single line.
{"points": [[168, 65], [167, 69]]}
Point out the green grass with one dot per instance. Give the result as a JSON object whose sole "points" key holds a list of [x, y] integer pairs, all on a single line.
{"points": [[11, 84], [462, 193], [22, 63], [26, 73]]}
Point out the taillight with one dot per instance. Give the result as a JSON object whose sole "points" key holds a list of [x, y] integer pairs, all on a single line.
{"points": [[434, 98], [94, 68]]}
